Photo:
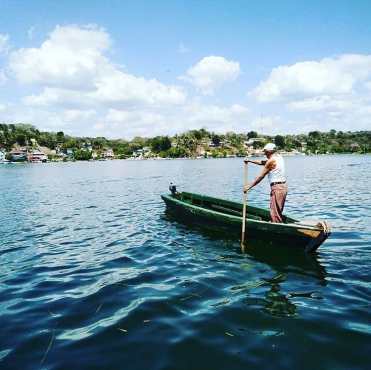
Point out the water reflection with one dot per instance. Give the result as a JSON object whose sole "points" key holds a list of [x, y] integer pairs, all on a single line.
{"points": [[282, 258], [278, 304], [288, 267], [286, 259]]}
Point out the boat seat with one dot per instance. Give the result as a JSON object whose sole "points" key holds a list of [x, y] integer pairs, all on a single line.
{"points": [[234, 212]]}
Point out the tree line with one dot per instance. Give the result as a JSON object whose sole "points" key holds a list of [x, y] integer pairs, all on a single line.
{"points": [[187, 144]]}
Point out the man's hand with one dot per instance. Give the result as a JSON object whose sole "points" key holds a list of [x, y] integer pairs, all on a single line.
{"points": [[260, 163], [246, 188]]}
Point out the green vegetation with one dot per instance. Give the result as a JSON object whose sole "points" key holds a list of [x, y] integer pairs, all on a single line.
{"points": [[82, 155], [160, 144], [188, 144]]}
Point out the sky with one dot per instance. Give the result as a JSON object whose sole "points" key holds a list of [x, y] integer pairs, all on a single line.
{"points": [[122, 69]]}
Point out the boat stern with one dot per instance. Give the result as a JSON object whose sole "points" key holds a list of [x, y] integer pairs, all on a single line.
{"points": [[318, 236]]}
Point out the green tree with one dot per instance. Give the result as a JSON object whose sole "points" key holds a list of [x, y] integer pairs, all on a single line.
{"points": [[99, 143], [314, 135], [215, 140], [176, 152], [82, 155], [21, 139], [60, 136], [70, 143], [257, 145], [122, 149], [187, 142], [279, 140], [160, 144]]}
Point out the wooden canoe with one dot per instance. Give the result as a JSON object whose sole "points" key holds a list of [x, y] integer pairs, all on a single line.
{"points": [[226, 216]]}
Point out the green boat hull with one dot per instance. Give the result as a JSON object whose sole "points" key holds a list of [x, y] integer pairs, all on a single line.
{"points": [[226, 217]]}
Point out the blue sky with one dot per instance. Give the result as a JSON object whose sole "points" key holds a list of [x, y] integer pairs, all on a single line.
{"points": [[126, 68]]}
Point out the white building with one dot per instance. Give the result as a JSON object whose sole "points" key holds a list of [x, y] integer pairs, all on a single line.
{"points": [[37, 156], [250, 142], [108, 153], [18, 155], [141, 153], [2, 156]]}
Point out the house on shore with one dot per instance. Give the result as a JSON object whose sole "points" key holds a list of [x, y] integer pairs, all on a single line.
{"points": [[87, 146], [69, 152], [145, 152], [2, 156], [354, 147], [18, 155], [256, 140], [303, 146], [200, 150], [108, 154], [37, 156]]}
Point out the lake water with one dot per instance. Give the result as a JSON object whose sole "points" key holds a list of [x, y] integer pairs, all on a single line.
{"points": [[94, 275]]}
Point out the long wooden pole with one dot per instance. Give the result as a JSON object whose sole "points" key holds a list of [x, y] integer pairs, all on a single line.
{"points": [[243, 233]]}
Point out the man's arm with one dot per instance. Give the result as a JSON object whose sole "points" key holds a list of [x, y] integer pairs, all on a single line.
{"points": [[268, 166], [260, 163]]}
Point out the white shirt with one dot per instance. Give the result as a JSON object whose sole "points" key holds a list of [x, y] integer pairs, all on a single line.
{"points": [[278, 173]]}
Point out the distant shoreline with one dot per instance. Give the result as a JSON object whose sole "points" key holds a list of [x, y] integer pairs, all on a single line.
{"points": [[180, 158], [22, 142]]}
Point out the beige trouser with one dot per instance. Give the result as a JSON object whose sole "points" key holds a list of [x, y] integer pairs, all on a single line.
{"points": [[278, 197]]}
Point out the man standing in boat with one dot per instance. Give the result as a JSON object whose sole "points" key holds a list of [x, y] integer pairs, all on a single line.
{"points": [[274, 167]]}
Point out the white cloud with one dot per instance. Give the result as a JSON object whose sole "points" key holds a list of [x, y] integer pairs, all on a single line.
{"points": [[329, 76], [71, 57], [77, 87], [2, 107], [52, 96], [118, 89], [320, 95], [182, 49], [72, 69], [122, 87], [215, 116], [320, 103], [73, 115], [130, 117], [218, 118], [73, 84], [189, 116], [125, 123], [267, 124], [99, 127], [212, 72], [4, 43]]}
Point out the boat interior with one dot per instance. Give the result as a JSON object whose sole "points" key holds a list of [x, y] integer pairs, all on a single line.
{"points": [[227, 207]]}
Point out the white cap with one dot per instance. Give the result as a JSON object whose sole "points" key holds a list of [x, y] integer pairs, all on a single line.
{"points": [[270, 147]]}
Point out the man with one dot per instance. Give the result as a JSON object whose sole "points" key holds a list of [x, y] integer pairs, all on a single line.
{"points": [[274, 167]]}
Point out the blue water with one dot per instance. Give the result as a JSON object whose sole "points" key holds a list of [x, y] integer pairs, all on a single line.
{"points": [[95, 275]]}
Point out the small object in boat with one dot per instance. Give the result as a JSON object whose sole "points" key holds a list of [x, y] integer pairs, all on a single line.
{"points": [[172, 188]]}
